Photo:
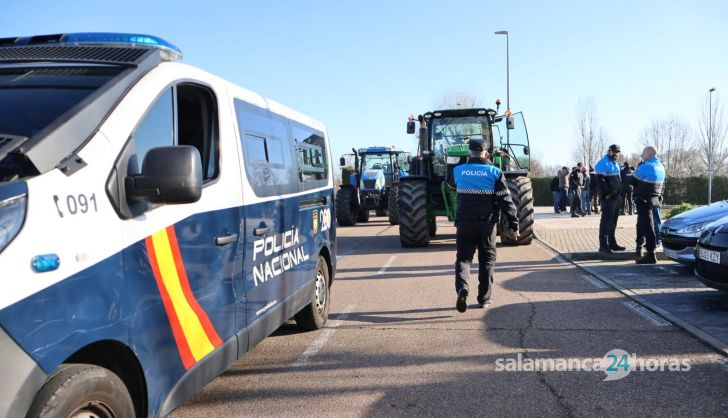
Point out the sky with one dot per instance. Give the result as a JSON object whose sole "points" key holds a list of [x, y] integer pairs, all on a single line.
{"points": [[362, 67]]}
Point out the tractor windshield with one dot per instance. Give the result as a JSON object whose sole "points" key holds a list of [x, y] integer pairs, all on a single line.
{"points": [[452, 131], [376, 162]]}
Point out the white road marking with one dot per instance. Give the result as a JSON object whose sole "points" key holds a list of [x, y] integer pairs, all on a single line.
{"points": [[387, 264], [646, 314], [594, 282], [321, 340]]}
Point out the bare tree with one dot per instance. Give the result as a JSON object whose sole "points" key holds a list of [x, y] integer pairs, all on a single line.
{"points": [[539, 169], [591, 138], [673, 139], [458, 100], [720, 128]]}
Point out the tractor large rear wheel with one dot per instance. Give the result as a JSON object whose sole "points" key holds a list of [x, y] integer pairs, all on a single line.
{"points": [[413, 222], [522, 196], [346, 206], [393, 206]]}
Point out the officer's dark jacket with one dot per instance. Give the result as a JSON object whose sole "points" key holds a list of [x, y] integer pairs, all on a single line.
{"points": [[649, 179], [482, 193], [608, 177]]}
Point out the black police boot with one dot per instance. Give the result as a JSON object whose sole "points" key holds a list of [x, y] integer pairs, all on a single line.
{"points": [[638, 251], [616, 247], [605, 249], [462, 302], [648, 258]]}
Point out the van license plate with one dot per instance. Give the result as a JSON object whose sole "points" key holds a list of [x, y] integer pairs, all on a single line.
{"points": [[708, 255]]}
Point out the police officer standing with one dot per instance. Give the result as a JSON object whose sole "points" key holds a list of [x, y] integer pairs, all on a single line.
{"points": [[648, 182], [482, 193], [610, 188]]}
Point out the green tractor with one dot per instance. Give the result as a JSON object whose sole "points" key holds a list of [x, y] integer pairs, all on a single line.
{"points": [[429, 191], [371, 183]]}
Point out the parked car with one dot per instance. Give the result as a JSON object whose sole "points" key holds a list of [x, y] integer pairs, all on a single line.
{"points": [[711, 255], [680, 233]]}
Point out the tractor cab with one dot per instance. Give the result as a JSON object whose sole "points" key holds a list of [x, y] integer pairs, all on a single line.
{"points": [[443, 144], [370, 177]]}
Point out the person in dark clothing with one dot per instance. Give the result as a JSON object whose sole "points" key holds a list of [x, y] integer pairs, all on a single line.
{"points": [[576, 184], [610, 188], [482, 194], [593, 190], [627, 202], [563, 185], [648, 182], [556, 193]]}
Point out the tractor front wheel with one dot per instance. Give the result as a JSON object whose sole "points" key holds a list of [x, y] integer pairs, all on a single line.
{"points": [[346, 206], [393, 206], [413, 221], [522, 197]]}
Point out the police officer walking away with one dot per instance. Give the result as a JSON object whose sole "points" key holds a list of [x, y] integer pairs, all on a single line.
{"points": [[482, 194], [648, 181], [610, 188]]}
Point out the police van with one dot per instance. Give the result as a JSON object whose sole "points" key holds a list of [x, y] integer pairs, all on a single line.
{"points": [[156, 223]]}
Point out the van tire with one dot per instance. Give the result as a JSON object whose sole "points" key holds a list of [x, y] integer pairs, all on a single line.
{"points": [[346, 206], [76, 388], [314, 315]]}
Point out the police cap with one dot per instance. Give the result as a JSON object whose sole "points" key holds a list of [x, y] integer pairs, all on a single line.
{"points": [[476, 145]]}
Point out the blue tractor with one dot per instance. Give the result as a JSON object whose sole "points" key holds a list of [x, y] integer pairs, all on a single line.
{"points": [[370, 183]]}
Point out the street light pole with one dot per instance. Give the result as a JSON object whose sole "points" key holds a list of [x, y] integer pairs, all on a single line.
{"points": [[710, 145], [508, 82]]}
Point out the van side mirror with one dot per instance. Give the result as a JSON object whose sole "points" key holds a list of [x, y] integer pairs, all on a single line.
{"points": [[342, 161], [511, 122], [169, 175], [411, 127], [526, 150]]}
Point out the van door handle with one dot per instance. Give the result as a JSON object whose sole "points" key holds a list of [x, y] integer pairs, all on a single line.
{"points": [[261, 231], [226, 239]]}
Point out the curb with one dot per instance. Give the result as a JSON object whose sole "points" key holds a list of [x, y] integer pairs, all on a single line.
{"points": [[718, 345]]}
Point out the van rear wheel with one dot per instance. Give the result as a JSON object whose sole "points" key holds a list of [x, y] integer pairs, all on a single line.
{"points": [[314, 315], [82, 390]]}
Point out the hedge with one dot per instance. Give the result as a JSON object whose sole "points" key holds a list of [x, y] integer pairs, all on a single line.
{"points": [[677, 190]]}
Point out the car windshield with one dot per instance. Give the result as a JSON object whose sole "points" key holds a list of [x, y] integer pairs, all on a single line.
{"points": [[452, 131], [33, 98]]}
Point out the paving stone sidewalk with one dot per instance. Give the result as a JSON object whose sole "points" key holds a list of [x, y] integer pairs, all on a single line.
{"points": [[578, 238]]}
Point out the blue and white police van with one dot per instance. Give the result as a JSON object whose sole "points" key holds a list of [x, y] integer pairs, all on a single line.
{"points": [[156, 223]]}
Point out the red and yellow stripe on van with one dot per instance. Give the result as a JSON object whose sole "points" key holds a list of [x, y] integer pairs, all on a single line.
{"points": [[193, 332]]}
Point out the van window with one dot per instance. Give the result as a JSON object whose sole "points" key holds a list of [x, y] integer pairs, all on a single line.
{"points": [[267, 150], [184, 114], [313, 163]]}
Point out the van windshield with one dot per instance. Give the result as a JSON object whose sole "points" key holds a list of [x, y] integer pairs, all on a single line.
{"points": [[33, 98]]}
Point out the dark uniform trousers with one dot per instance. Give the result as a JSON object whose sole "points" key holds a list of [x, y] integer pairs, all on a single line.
{"points": [[472, 235], [608, 220], [645, 226]]}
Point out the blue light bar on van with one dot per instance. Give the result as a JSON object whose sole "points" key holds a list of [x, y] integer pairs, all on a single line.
{"points": [[169, 51]]}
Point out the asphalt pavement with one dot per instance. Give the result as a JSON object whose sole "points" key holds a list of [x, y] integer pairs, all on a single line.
{"points": [[395, 345]]}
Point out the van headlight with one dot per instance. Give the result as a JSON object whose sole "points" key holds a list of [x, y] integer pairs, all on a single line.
{"points": [[12, 214], [692, 230]]}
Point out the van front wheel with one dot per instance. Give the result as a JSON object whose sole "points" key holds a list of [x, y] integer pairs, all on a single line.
{"points": [[314, 315], [82, 390]]}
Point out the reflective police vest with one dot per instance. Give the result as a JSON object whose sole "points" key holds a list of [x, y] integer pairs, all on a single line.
{"points": [[649, 178], [608, 177], [479, 186]]}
